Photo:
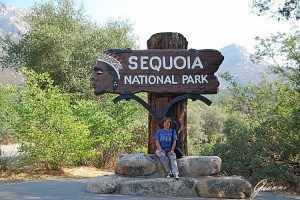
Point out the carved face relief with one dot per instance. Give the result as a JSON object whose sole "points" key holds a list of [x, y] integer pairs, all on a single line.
{"points": [[101, 79], [106, 76]]}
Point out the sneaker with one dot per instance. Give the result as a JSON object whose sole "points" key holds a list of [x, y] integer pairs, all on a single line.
{"points": [[176, 176], [169, 174]]}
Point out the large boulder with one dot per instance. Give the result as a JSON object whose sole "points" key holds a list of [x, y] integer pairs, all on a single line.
{"points": [[105, 184], [207, 187], [232, 187], [198, 166], [138, 164], [160, 187]]}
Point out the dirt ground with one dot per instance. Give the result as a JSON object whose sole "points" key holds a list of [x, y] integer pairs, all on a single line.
{"points": [[83, 172]]}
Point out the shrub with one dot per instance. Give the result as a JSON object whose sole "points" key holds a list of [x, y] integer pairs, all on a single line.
{"points": [[49, 133], [111, 128], [262, 133]]}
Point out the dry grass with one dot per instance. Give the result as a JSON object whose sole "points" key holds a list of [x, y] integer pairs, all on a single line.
{"points": [[83, 172]]}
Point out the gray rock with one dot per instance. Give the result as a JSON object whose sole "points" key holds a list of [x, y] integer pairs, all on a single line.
{"points": [[140, 175], [138, 164], [105, 184], [198, 166], [160, 187], [233, 187], [146, 164]]}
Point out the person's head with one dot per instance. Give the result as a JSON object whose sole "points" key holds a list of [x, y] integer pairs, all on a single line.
{"points": [[166, 122]]}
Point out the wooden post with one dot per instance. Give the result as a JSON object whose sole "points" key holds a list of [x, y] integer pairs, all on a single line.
{"points": [[167, 40]]}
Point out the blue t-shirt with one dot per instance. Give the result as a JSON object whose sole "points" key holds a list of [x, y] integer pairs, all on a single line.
{"points": [[165, 138]]}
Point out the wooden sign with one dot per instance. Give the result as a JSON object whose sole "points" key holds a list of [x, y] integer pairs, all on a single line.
{"points": [[165, 71]]}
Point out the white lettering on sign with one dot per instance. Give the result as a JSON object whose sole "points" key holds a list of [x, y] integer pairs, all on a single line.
{"points": [[197, 63], [133, 61], [156, 63], [189, 79], [170, 63], [164, 79], [144, 61], [152, 80], [183, 62]]}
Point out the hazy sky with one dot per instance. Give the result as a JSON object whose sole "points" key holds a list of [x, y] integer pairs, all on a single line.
{"points": [[206, 24]]}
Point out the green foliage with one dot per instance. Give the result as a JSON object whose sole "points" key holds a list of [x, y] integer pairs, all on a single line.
{"points": [[115, 128], [49, 133], [63, 43], [282, 51], [57, 130], [262, 132], [282, 9], [205, 124], [242, 153], [7, 113], [262, 129]]}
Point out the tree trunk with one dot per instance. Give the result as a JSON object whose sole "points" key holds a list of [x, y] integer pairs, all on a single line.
{"points": [[158, 101]]}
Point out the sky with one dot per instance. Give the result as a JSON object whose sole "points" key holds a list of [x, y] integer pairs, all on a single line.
{"points": [[206, 24]]}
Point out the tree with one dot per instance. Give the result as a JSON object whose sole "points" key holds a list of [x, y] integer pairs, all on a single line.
{"points": [[8, 113], [282, 51], [49, 133], [115, 128], [205, 126], [282, 9], [262, 128], [63, 43], [262, 132]]}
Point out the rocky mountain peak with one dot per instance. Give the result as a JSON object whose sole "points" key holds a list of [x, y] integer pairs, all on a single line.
{"points": [[235, 53], [237, 61], [12, 21]]}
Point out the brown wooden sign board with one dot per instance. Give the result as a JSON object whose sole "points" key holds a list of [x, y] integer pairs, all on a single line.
{"points": [[176, 71]]}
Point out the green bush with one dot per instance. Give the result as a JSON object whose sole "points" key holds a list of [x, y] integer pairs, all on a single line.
{"points": [[242, 153], [112, 129], [49, 132], [205, 125], [8, 113], [262, 133]]}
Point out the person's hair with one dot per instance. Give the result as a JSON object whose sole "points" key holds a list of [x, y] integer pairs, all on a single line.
{"points": [[165, 119]]}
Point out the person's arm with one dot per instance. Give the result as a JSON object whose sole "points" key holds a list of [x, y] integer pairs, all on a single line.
{"points": [[174, 142], [158, 145], [173, 147]]}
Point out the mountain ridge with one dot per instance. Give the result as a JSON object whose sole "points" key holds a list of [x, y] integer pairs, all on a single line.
{"points": [[12, 21], [238, 63]]}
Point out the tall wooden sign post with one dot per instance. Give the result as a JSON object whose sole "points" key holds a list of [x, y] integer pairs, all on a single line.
{"points": [[158, 101], [167, 71]]}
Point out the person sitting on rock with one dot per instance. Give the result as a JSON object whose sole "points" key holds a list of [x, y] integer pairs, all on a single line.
{"points": [[165, 141]]}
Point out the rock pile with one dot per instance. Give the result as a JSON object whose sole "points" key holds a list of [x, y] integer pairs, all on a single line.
{"points": [[141, 175]]}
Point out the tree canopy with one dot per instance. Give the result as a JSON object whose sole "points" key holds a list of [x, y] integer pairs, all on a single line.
{"points": [[64, 43], [282, 9]]}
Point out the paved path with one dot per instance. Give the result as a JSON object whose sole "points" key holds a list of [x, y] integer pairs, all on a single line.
{"points": [[76, 190]]}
